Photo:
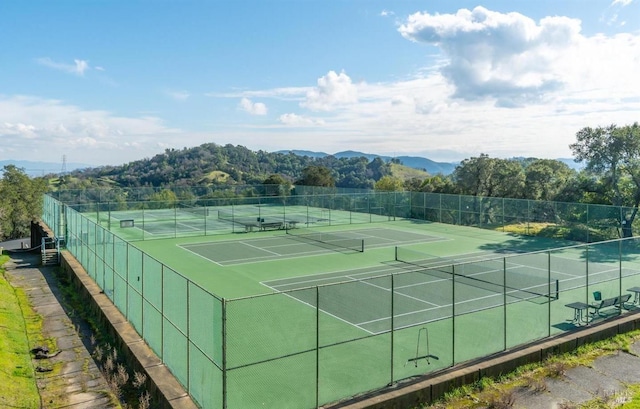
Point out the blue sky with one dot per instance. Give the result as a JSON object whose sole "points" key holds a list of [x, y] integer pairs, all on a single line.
{"points": [[108, 82]]}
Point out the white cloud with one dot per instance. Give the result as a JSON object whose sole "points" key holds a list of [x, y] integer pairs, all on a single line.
{"points": [[81, 67], [417, 116], [78, 67], [254, 108], [386, 13], [333, 90], [622, 3], [506, 56], [285, 93], [41, 129], [178, 95], [299, 120]]}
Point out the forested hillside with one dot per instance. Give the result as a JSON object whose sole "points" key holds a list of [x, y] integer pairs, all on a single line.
{"points": [[228, 164], [610, 155]]}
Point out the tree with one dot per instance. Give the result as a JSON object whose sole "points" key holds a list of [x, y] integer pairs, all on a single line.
{"points": [[275, 180], [276, 185], [20, 202], [376, 169], [413, 184], [164, 199], [613, 153], [485, 176], [389, 184], [546, 178], [316, 176], [438, 184]]}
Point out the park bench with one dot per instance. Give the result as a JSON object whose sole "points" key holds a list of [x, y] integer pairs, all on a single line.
{"points": [[615, 302], [271, 225]]}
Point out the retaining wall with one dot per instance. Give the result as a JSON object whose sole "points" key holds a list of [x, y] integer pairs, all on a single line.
{"points": [[161, 384]]}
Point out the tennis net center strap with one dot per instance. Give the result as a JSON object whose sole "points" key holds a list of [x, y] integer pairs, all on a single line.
{"points": [[334, 240]]}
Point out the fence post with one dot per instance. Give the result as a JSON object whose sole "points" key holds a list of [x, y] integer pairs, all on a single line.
{"points": [[317, 346], [224, 353], [392, 325], [504, 303]]}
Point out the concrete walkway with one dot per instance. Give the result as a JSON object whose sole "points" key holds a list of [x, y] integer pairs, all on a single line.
{"points": [[77, 383], [607, 376]]}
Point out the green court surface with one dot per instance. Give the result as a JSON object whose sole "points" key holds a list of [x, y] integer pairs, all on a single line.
{"points": [[242, 264], [498, 302], [259, 305]]}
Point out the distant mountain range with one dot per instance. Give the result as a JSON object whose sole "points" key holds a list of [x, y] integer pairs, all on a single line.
{"points": [[416, 162], [41, 168], [432, 167]]}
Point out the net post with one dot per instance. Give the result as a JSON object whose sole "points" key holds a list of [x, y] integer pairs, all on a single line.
{"points": [[396, 253], [362, 247]]}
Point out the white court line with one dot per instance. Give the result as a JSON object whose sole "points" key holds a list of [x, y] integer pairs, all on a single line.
{"points": [[450, 305], [260, 248], [334, 274], [199, 255], [389, 290], [406, 314], [352, 275], [323, 311]]}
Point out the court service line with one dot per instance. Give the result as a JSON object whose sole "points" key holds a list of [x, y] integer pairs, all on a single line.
{"points": [[199, 255], [449, 305], [384, 271], [260, 248], [191, 227], [252, 260], [406, 314], [389, 290], [380, 270], [320, 309]]}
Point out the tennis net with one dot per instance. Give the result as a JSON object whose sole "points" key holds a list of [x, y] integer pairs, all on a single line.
{"points": [[198, 211], [238, 217], [488, 274], [331, 240]]}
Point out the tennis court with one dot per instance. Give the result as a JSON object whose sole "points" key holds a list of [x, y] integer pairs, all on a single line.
{"points": [[301, 243], [183, 220], [316, 304], [422, 293]]}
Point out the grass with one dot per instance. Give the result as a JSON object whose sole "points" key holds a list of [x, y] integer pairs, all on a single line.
{"points": [[17, 323], [499, 393], [634, 390], [21, 330], [576, 232], [405, 172], [215, 176]]}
